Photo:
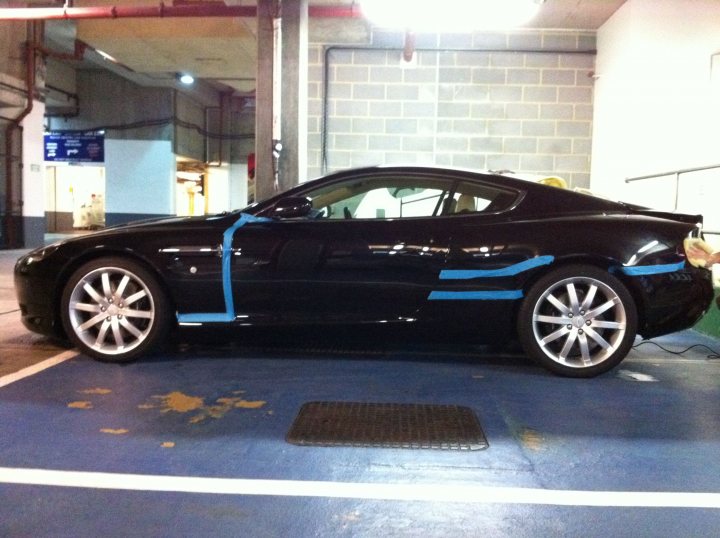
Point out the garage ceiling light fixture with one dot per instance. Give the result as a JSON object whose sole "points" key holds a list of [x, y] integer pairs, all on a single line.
{"points": [[185, 78], [451, 15], [106, 56]]}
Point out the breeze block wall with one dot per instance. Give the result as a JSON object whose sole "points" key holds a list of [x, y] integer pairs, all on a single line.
{"points": [[520, 101]]}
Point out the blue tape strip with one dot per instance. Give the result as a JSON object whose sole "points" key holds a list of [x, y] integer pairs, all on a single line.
{"points": [[229, 314], [475, 295], [205, 318], [511, 270], [643, 270]]}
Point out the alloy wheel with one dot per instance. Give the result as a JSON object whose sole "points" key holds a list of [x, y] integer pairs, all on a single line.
{"points": [[111, 310], [579, 322]]}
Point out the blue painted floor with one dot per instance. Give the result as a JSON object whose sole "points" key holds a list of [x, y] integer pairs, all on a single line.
{"points": [[212, 411]]}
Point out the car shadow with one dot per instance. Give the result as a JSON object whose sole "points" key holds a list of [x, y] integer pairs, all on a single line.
{"points": [[351, 343]]}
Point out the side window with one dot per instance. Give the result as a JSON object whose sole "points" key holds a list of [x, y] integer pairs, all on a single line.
{"points": [[399, 202], [381, 198], [478, 198]]}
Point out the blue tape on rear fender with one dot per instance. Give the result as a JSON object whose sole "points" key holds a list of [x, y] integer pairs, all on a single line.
{"points": [[229, 314], [511, 270], [643, 270], [475, 295]]}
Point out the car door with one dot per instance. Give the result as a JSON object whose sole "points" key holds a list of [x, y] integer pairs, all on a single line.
{"points": [[487, 257], [370, 251]]}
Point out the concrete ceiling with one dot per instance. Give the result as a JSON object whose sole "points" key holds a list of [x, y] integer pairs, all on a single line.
{"points": [[222, 51], [575, 14]]}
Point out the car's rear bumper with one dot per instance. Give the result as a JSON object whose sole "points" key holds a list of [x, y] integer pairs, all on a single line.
{"points": [[674, 301]]}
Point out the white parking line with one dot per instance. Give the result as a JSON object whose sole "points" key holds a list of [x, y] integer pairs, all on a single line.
{"points": [[36, 368], [348, 490]]}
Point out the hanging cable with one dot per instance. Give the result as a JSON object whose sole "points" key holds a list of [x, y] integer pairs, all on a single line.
{"points": [[713, 354]]}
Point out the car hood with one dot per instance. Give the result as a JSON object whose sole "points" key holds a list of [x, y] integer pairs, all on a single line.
{"points": [[168, 223], [160, 225], [162, 222]]}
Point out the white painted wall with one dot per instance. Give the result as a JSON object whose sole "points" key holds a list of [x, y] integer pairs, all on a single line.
{"points": [[140, 177], [657, 102], [218, 189], [238, 190], [33, 156]]}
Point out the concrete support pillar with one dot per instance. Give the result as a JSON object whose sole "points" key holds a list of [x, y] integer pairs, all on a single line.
{"points": [[23, 224], [33, 178], [293, 159], [264, 169]]}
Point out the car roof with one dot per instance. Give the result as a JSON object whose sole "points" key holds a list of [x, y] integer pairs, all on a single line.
{"points": [[546, 198]]}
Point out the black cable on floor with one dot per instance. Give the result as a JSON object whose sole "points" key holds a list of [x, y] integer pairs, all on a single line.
{"points": [[9, 312], [713, 354]]}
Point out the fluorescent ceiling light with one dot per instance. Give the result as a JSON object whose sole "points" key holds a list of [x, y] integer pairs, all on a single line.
{"points": [[450, 15], [185, 78], [106, 56]]}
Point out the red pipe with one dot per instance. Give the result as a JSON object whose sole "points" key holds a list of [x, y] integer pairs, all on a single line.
{"points": [[352, 11], [409, 47], [161, 10], [117, 12]]}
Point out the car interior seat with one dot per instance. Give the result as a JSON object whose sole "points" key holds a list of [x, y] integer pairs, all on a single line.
{"points": [[465, 204]]}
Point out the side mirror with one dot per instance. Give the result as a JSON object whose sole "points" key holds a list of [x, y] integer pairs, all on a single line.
{"points": [[292, 207]]}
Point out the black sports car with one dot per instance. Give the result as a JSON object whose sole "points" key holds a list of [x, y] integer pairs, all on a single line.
{"points": [[573, 276]]}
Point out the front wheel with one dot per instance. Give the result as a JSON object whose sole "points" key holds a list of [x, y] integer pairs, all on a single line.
{"points": [[114, 310], [578, 321]]}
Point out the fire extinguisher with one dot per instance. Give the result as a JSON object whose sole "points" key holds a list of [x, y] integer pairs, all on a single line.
{"points": [[251, 166]]}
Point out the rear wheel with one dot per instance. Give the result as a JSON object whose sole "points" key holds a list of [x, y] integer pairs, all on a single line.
{"points": [[114, 310], [578, 321]]}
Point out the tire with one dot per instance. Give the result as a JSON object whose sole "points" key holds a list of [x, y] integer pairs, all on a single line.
{"points": [[114, 310], [578, 321]]}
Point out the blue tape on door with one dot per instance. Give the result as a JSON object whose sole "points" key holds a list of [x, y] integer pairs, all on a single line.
{"points": [[511, 270], [229, 314]]}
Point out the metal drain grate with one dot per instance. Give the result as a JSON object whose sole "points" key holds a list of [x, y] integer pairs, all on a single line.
{"points": [[387, 425]]}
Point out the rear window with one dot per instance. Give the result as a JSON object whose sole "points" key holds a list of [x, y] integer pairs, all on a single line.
{"points": [[479, 198]]}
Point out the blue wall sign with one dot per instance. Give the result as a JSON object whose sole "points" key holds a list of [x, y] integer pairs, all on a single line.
{"points": [[75, 148]]}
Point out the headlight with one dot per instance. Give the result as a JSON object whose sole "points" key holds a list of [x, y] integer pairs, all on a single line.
{"points": [[37, 255]]}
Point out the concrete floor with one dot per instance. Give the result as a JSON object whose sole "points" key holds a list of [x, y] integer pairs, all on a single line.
{"points": [[192, 442]]}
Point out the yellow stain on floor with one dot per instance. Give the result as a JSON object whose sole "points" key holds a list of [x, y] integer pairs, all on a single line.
{"points": [[167, 444], [222, 406], [95, 391], [178, 402], [80, 405], [119, 431], [531, 439], [245, 404]]}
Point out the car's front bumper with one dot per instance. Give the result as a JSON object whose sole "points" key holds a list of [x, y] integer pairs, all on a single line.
{"points": [[37, 297]]}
